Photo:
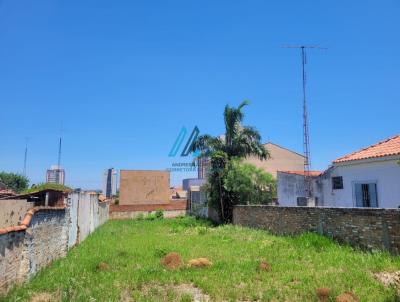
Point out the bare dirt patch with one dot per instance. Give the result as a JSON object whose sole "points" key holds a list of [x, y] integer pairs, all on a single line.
{"points": [[199, 262], [43, 297], [103, 266], [264, 266], [160, 292], [347, 297], [389, 279], [172, 260], [125, 296]]}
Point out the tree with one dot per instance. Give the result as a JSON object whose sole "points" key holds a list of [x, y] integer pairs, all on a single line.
{"points": [[238, 142], [13, 181], [249, 184]]}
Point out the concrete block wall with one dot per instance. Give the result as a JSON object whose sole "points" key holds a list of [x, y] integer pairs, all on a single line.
{"points": [[371, 229], [46, 234]]}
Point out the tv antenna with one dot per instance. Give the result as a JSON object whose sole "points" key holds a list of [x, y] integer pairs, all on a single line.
{"points": [[306, 135]]}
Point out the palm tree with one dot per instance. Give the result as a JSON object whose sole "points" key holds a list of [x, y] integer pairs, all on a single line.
{"points": [[238, 142]]}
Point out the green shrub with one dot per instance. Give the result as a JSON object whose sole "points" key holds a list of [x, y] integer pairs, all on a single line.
{"points": [[159, 214]]}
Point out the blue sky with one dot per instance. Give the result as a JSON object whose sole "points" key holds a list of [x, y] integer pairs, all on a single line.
{"points": [[125, 76]]}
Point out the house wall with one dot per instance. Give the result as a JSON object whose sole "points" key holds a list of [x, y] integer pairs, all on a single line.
{"points": [[49, 235], [386, 173], [144, 187], [12, 211], [290, 186], [367, 228], [281, 160]]}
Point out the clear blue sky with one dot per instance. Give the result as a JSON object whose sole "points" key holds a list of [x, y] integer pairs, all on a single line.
{"points": [[125, 76]]}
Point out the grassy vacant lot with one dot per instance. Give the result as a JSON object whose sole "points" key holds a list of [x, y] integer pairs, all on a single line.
{"points": [[133, 249]]}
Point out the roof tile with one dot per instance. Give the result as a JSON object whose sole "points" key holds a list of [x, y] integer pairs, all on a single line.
{"points": [[388, 147]]}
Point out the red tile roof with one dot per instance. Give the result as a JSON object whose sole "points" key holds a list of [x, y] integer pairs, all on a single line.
{"points": [[388, 147], [312, 173]]}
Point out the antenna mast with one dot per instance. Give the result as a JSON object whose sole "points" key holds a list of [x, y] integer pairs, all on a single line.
{"points": [[59, 147], [306, 136], [25, 156]]}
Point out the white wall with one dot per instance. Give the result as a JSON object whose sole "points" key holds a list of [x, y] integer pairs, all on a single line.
{"points": [[290, 186], [386, 174], [86, 213]]}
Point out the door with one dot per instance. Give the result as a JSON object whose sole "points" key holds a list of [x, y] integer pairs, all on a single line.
{"points": [[366, 195]]}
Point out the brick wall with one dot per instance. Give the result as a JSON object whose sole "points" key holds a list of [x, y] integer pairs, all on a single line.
{"points": [[360, 227], [170, 210]]}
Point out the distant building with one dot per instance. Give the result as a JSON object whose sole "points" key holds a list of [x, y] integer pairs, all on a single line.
{"points": [[110, 183], [55, 175], [144, 187], [203, 166], [188, 182], [281, 159]]}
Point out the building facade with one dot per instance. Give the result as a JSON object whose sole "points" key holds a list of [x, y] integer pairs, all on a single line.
{"points": [[366, 178], [55, 175], [281, 159], [109, 183]]}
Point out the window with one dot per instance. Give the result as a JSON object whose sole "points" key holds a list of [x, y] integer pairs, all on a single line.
{"points": [[301, 201], [366, 195], [337, 182]]}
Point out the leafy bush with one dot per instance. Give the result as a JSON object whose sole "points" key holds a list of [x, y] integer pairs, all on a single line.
{"points": [[13, 181], [157, 215], [249, 184]]}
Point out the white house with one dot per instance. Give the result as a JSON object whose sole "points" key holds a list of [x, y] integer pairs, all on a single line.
{"points": [[366, 178]]}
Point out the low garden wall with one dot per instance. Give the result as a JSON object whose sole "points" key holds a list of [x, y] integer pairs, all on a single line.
{"points": [[170, 210], [371, 229], [46, 234]]}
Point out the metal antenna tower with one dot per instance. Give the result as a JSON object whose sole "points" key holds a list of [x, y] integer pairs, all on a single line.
{"points": [[59, 147], [25, 156], [306, 136]]}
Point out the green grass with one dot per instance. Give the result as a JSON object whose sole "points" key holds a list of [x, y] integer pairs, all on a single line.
{"points": [[133, 250]]}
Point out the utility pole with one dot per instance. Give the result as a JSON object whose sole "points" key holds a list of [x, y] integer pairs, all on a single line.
{"points": [[306, 135]]}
